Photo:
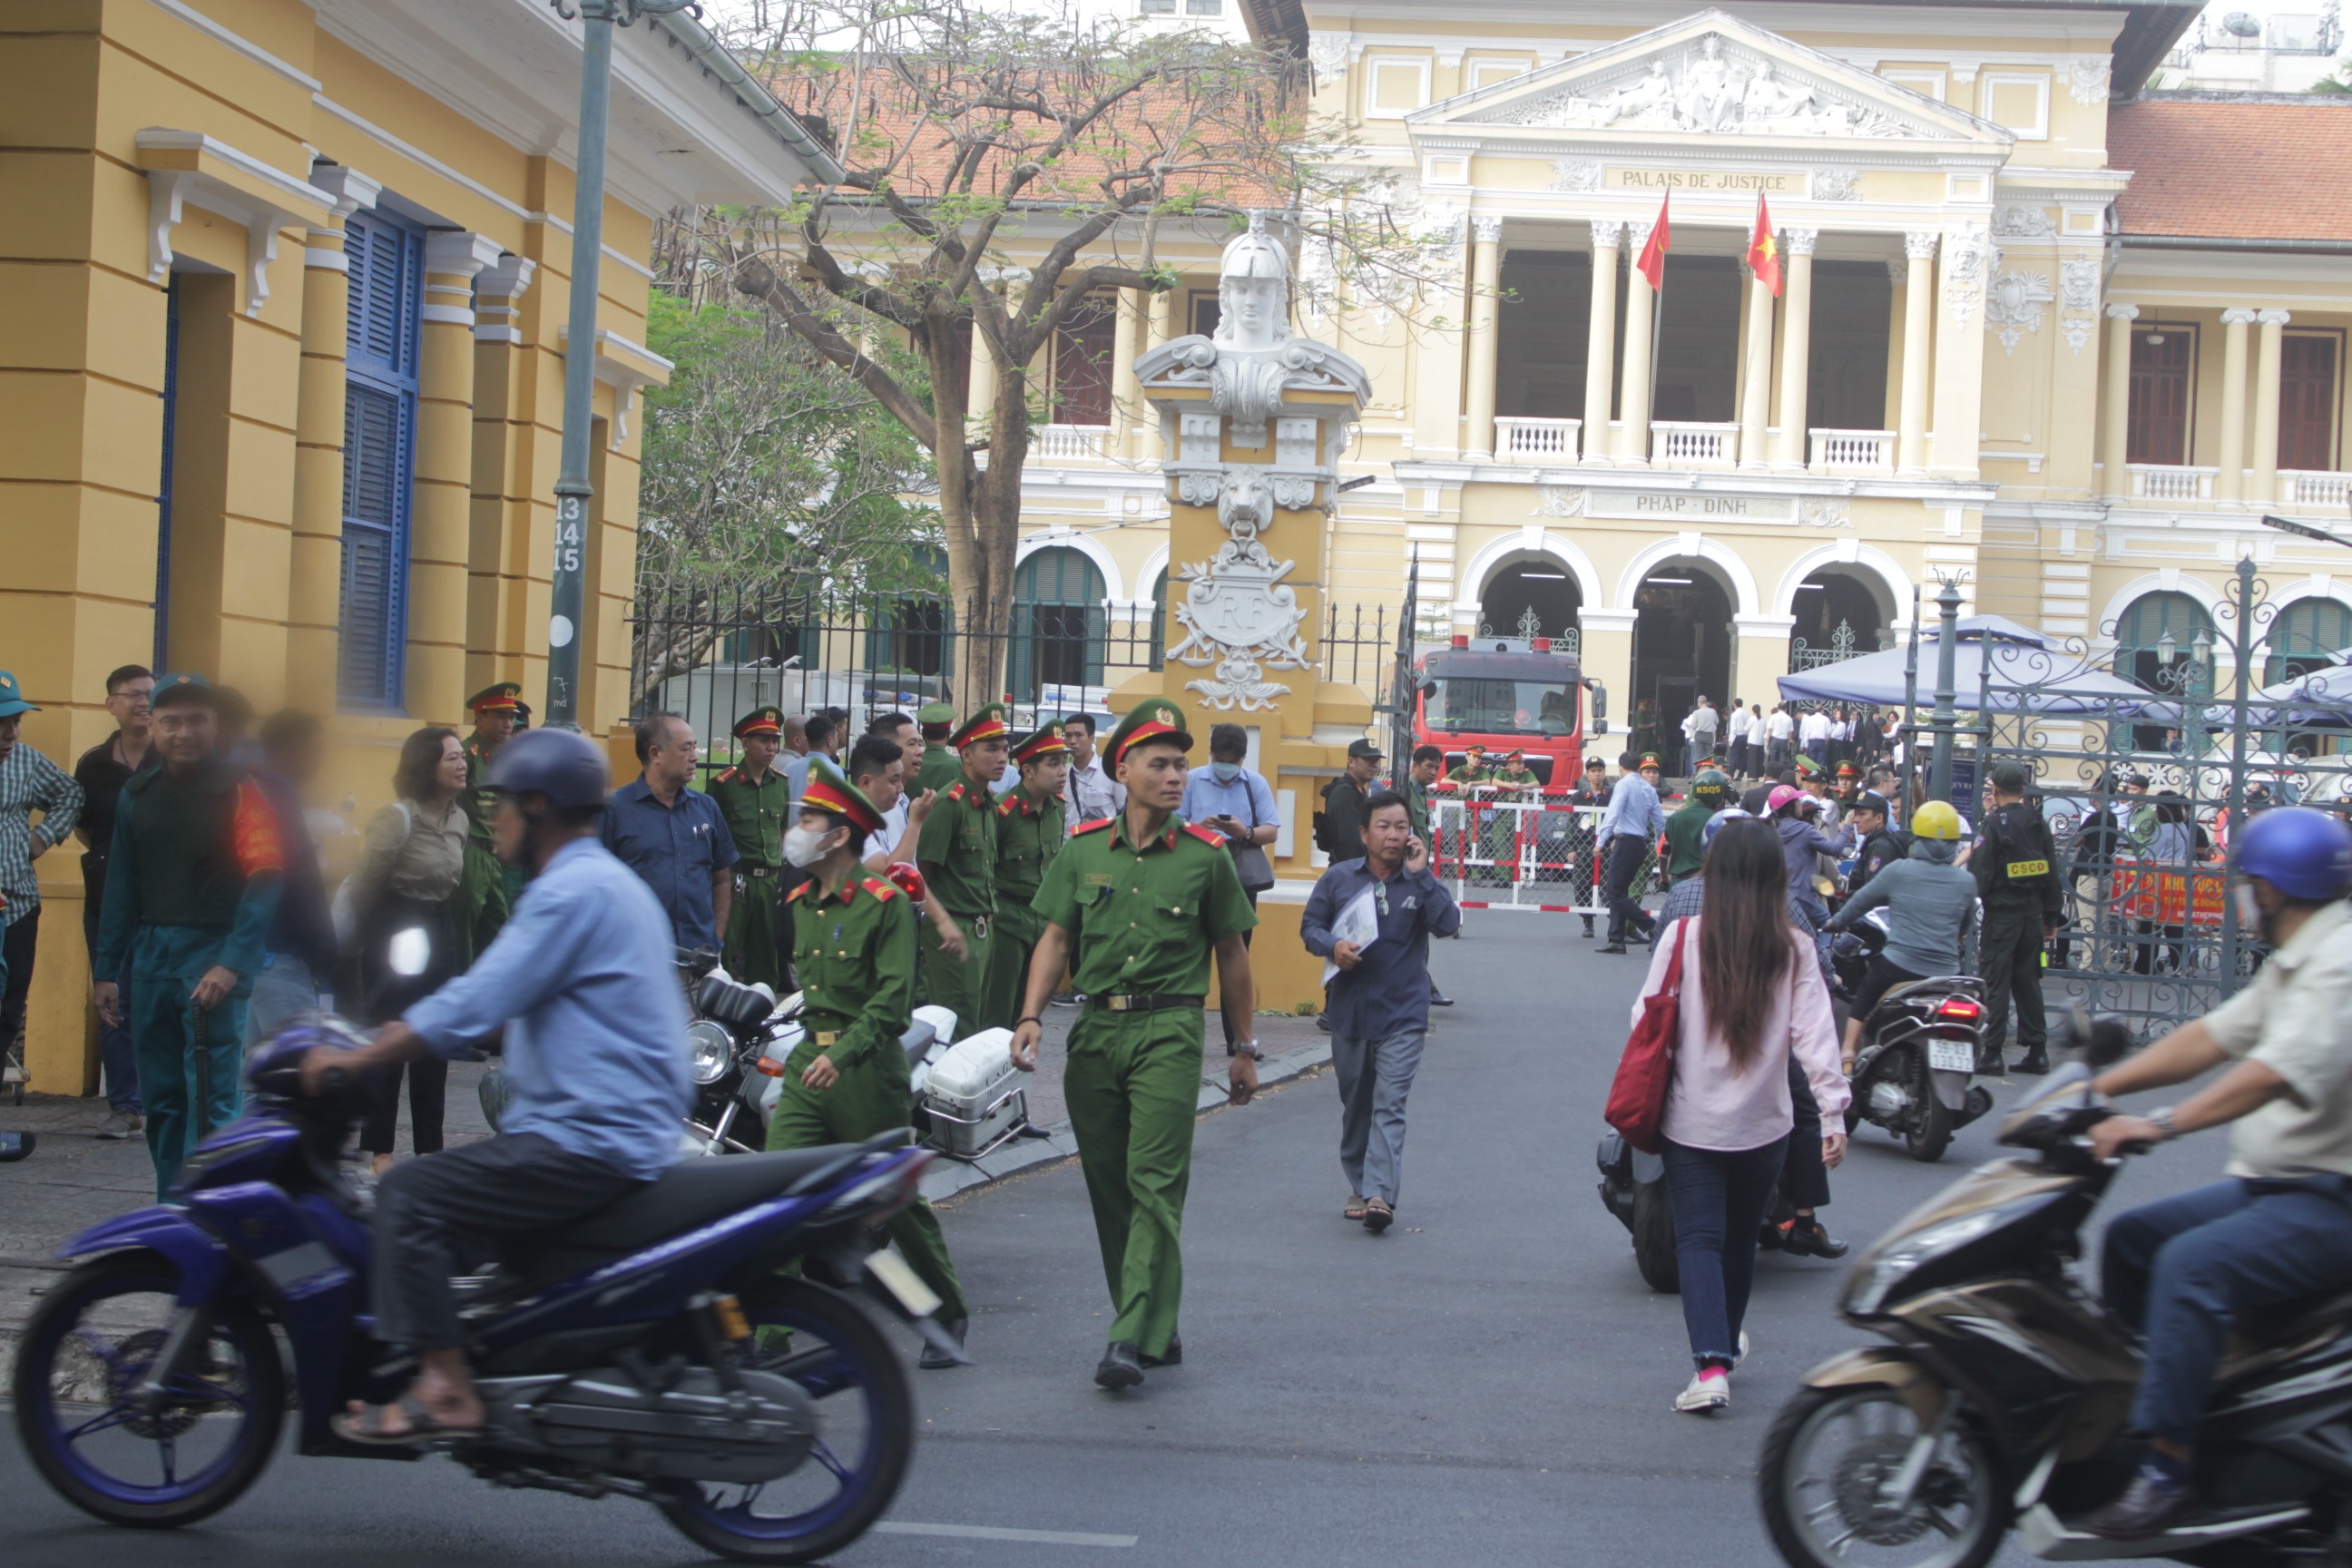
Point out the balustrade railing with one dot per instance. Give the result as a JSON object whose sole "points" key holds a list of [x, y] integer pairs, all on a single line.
{"points": [[2163, 481], [1536, 440], [1069, 443], [2308, 488], [1870, 450], [1685, 444]]}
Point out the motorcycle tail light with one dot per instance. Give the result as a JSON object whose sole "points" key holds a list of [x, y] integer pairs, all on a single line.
{"points": [[1960, 1010], [769, 1067]]}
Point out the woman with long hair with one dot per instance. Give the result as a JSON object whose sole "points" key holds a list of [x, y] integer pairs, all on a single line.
{"points": [[1751, 999], [407, 878]]}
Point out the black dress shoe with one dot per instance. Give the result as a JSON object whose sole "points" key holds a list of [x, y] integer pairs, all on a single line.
{"points": [[1323, 1022], [1803, 1240], [2147, 1507], [2036, 1062], [1615, 947], [1121, 1366], [1438, 999], [936, 1360], [1172, 1356], [1991, 1065]]}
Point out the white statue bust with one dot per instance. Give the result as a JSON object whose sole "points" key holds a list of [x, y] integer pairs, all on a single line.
{"points": [[1253, 292]]}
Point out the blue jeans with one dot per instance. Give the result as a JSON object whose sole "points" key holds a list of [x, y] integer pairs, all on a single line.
{"points": [[1720, 1197], [115, 1054], [2183, 1271]]}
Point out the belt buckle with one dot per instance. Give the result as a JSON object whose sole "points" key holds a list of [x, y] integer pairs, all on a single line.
{"points": [[1120, 1003]]}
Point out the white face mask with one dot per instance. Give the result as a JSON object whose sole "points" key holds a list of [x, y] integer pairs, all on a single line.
{"points": [[804, 846]]}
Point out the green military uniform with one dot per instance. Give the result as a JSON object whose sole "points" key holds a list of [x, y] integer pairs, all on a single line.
{"points": [[1143, 921], [1494, 826], [1416, 806], [192, 884], [758, 811], [941, 766], [1029, 834], [488, 888], [1687, 828], [853, 950], [957, 855], [2016, 866]]}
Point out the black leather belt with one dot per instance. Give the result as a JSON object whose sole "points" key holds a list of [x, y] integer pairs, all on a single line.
{"points": [[1138, 1002], [759, 873]]}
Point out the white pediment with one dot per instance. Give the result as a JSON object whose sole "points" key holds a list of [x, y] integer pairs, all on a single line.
{"points": [[1710, 75]]}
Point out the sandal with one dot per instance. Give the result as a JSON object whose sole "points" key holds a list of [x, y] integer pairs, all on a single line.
{"points": [[1354, 1210], [366, 1426], [1378, 1215]]}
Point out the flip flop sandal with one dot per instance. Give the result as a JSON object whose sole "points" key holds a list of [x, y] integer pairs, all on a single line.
{"points": [[1378, 1215], [1355, 1207], [365, 1427]]}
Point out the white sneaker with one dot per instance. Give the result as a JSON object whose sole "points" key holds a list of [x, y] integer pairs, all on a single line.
{"points": [[1705, 1397], [1743, 1350]]}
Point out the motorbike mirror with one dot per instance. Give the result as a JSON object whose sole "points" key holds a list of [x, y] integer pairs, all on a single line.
{"points": [[410, 950], [2103, 1040]]}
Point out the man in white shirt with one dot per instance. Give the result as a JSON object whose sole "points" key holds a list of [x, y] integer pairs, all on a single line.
{"points": [[1090, 791], [1814, 733], [1742, 726], [1777, 728], [1699, 736]]}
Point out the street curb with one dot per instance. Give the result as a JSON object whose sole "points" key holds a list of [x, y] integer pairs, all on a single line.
{"points": [[951, 1178]]}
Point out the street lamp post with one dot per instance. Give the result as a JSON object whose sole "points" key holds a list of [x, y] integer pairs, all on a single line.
{"points": [[1945, 719], [573, 488]]}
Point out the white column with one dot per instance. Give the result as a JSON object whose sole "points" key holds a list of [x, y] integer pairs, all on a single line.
{"points": [[1600, 339], [2269, 356], [2230, 484], [2114, 415], [1796, 347], [979, 401], [1485, 279], [1756, 382], [1640, 302], [1918, 316], [1126, 391]]}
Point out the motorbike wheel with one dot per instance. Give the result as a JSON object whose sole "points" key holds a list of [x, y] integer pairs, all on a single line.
{"points": [[866, 1415], [1828, 1454], [86, 1348], [1654, 1238], [1930, 1132]]}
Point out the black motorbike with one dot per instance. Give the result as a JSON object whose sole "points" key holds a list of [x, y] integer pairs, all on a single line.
{"points": [[2001, 1404], [1918, 1048]]}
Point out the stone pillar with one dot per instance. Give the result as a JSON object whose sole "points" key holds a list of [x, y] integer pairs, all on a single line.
{"points": [[1125, 391], [1600, 339], [1756, 380], [440, 513], [1437, 409], [1796, 348], [505, 484], [1160, 315], [2115, 416], [979, 405], [1605, 654], [2230, 484], [1641, 301], [1485, 281], [1760, 657], [315, 568], [1918, 314], [2268, 356]]}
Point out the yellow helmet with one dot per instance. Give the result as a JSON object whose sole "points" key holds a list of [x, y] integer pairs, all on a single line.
{"points": [[1936, 820]]}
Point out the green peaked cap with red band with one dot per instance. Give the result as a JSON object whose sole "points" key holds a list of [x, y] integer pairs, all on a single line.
{"points": [[830, 792], [1153, 718], [1045, 741], [986, 723]]}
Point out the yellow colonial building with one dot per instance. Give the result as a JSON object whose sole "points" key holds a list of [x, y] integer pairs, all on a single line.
{"points": [[282, 377], [2041, 329]]}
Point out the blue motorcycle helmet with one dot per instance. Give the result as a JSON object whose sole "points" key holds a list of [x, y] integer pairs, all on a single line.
{"points": [[2305, 854], [1715, 825], [564, 765]]}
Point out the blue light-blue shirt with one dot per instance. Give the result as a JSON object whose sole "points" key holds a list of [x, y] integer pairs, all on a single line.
{"points": [[1388, 993], [678, 849], [1633, 809], [1248, 800], [584, 975]]}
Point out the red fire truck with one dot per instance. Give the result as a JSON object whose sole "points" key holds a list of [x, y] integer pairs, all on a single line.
{"points": [[1507, 694]]}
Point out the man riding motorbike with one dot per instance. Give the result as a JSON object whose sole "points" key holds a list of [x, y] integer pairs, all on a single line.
{"points": [[2184, 1270], [596, 1084], [1931, 905]]}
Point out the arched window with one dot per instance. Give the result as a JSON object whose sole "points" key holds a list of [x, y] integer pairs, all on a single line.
{"points": [[2156, 637], [1059, 623], [916, 632], [2303, 638], [1527, 599]]}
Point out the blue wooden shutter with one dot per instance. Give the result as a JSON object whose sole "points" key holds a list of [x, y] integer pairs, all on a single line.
{"points": [[386, 259]]}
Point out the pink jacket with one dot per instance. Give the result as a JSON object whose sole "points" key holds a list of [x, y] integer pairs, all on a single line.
{"points": [[1712, 1106]]}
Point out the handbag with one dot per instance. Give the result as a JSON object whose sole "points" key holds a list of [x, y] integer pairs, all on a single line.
{"points": [[1637, 1097], [344, 909], [1249, 859]]}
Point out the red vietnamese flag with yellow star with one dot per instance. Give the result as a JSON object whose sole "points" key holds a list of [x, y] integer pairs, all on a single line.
{"points": [[1764, 249], [1652, 263]]}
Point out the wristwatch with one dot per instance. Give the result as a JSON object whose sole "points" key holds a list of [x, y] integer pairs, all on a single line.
{"points": [[2162, 1117], [1248, 1049]]}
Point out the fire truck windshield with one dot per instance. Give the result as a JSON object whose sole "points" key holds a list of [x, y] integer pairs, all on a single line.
{"points": [[1485, 705]]}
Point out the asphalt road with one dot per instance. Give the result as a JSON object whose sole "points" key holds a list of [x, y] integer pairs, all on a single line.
{"points": [[1489, 1382]]}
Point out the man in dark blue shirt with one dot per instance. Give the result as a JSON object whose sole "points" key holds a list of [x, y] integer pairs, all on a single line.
{"points": [[673, 837], [1379, 1004]]}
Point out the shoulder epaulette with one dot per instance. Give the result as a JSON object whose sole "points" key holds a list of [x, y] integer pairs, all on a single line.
{"points": [[1090, 826], [1209, 836], [1004, 806], [798, 890], [955, 791], [881, 888], [727, 776]]}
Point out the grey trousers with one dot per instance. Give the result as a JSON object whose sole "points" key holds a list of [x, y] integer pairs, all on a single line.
{"points": [[1375, 1075]]}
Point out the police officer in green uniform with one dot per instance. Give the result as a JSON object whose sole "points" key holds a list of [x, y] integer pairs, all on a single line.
{"points": [[957, 855], [1515, 780], [1687, 828], [1029, 834], [2016, 866], [854, 954], [1142, 899], [192, 886], [755, 798], [935, 722], [497, 709]]}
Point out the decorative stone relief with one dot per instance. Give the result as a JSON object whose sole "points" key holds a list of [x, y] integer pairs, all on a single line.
{"points": [[1801, 240], [2087, 78], [1328, 51], [1488, 227], [2078, 295], [1575, 175], [1820, 512], [2022, 220], [1836, 185], [1559, 500], [1714, 90], [2013, 305], [1964, 273], [1237, 614]]}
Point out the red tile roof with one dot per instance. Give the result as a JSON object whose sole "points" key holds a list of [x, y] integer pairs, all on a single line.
{"points": [[2209, 167]]}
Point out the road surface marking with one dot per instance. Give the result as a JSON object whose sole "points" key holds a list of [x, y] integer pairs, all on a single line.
{"points": [[992, 1533]]}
